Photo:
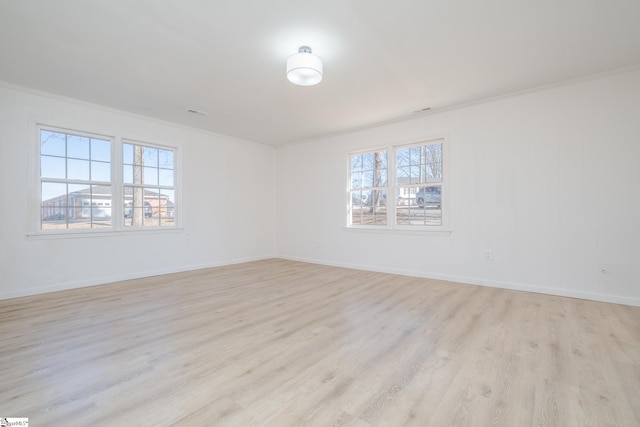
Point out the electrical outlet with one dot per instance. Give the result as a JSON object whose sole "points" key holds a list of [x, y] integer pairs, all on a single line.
{"points": [[488, 256]]}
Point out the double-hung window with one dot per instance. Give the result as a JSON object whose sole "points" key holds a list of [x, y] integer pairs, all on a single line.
{"points": [[368, 187], [418, 186], [149, 193], [75, 180], [399, 187], [91, 183]]}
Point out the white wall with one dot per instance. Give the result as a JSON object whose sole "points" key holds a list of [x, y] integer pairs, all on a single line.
{"points": [[549, 181], [227, 200]]}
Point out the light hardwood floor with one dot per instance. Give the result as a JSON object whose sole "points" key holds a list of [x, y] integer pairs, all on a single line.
{"points": [[283, 343]]}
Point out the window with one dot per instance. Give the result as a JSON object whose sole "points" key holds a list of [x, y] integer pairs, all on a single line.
{"points": [[413, 174], [81, 176], [419, 185], [75, 181], [368, 189], [149, 193]]}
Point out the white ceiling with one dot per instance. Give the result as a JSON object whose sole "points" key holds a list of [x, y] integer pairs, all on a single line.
{"points": [[382, 60]]}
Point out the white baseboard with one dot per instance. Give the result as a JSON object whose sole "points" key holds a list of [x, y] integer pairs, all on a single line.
{"points": [[593, 296], [616, 299], [63, 286]]}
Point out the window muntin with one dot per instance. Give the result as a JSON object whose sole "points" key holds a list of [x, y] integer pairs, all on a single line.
{"points": [[75, 180], [368, 188], [413, 174], [149, 186]]}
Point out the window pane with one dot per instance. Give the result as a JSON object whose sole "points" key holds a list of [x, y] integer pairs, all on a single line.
{"points": [[166, 159], [434, 152], [367, 179], [77, 147], [383, 178], [433, 160], [78, 169], [356, 163], [434, 172], [368, 161], [139, 217], [100, 150], [166, 177], [52, 143], [415, 174], [402, 157], [52, 167], [166, 210], [150, 176], [414, 155], [357, 208], [139, 197], [127, 154], [152, 203], [356, 198], [134, 206], [100, 171], [53, 194], [153, 221], [151, 195], [100, 206], [356, 180], [129, 195], [150, 156], [428, 196], [79, 195], [79, 212], [127, 174], [101, 194], [383, 159], [79, 222], [377, 203], [53, 217]]}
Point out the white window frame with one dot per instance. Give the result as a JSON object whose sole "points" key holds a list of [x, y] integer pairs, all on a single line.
{"points": [[158, 187], [35, 230], [391, 226], [90, 181], [371, 189]]}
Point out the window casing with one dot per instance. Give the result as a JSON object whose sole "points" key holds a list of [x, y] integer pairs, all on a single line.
{"points": [[91, 183], [399, 187]]}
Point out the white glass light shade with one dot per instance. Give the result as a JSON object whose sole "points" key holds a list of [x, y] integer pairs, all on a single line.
{"points": [[304, 68]]}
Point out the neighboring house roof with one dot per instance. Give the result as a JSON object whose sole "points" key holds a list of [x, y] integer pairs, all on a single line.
{"points": [[404, 180], [105, 190]]}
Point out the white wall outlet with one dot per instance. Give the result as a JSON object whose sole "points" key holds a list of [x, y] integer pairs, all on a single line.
{"points": [[488, 255]]}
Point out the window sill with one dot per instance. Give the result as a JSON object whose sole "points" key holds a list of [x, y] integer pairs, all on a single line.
{"points": [[92, 234], [406, 231]]}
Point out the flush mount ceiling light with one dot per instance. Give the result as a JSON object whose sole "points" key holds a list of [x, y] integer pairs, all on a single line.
{"points": [[304, 68]]}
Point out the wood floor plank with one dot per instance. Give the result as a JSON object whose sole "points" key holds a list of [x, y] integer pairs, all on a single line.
{"points": [[281, 343]]}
